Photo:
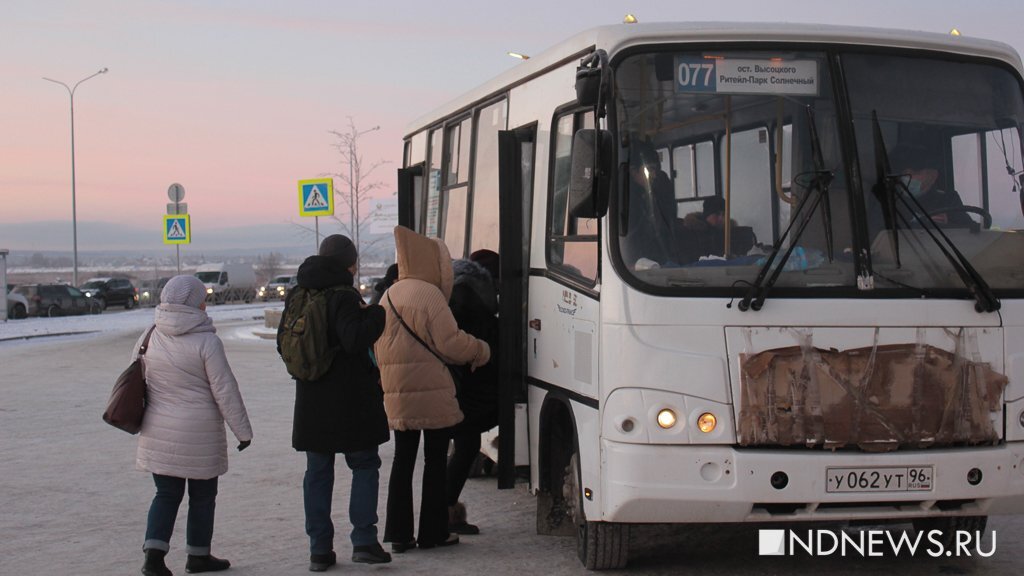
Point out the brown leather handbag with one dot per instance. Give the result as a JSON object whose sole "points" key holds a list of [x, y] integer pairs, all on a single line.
{"points": [[127, 402]]}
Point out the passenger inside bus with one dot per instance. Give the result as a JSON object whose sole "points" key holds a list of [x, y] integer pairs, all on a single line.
{"points": [[703, 233], [652, 211]]}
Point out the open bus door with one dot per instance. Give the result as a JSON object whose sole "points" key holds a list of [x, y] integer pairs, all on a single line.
{"points": [[515, 192], [409, 182]]}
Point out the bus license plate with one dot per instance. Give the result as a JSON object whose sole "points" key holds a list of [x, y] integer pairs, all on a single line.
{"points": [[883, 479]]}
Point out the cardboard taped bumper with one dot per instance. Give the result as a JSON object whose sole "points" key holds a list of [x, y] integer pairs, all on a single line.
{"points": [[878, 398]]}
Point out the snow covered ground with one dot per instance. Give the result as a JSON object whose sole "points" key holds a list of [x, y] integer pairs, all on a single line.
{"points": [[116, 321], [71, 501]]}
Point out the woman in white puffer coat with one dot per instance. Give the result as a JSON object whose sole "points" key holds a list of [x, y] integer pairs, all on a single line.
{"points": [[191, 394]]}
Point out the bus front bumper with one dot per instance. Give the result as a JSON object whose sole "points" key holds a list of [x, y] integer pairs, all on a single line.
{"points": [[678, 484]]}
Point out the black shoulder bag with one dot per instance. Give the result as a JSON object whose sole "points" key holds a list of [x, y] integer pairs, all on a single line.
{"points": [[456, 371]]}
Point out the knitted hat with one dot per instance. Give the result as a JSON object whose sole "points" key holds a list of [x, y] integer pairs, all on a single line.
{"points": [[186, 290], [341, 248], [713, 205]]}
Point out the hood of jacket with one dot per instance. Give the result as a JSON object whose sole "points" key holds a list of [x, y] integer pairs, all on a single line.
{"points": [[473, 276], [318, 272], [425, 259], [178, 319]]}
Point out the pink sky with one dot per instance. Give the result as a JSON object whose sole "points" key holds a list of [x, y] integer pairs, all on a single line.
{"points": [[234, 99]]}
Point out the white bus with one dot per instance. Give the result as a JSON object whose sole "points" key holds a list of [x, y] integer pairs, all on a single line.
{"points": [[750, 273]]}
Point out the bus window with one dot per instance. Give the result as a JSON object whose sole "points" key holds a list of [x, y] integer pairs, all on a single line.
{"points": [[432, 224], [417, 150], [694, 170], [572, 246], [951, 144], [455, 218], [484, 230], [457, 154], [751, 183], [984, 161], [455, 186], [722, 139]]}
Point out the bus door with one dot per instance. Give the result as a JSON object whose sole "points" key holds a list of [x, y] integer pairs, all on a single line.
{"points": [[515, 192], [410, 186]]}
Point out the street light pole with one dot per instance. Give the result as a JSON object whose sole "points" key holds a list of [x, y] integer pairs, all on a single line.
{"points": [[74, 216], [353, 201]]}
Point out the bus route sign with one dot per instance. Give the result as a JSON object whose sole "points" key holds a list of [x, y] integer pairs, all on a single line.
{"points": [[745, 76]]}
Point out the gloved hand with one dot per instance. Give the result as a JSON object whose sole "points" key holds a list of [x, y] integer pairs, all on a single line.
{"points": [[244, 444]]}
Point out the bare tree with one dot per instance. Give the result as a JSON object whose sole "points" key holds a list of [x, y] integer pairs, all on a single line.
{"points": [[268, 266], [357, 183]]}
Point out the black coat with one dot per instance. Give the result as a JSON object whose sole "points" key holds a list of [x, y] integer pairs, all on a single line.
{"points": [[344, 410], [474, 303]]}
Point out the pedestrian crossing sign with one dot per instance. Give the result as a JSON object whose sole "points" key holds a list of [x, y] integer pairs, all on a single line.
{"points": [[177, 229], [316, 197]]}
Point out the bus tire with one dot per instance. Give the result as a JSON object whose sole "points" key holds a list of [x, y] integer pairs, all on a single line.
{"points": [[603, 545], [948, 526], [599, 545]]}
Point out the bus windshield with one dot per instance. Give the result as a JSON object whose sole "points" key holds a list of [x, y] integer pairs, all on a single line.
{"points": [[734, 153]]}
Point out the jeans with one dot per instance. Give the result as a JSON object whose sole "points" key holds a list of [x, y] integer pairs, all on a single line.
{"points": [[433, 525], [317, 494], [202, 502]]}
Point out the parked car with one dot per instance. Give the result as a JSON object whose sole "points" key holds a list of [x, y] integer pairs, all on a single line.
{"points": [[17, 305], [111, 292], [278, 287], [149, 291], [56, 300]]}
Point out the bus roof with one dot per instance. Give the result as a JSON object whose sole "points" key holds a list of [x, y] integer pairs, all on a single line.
{"points": [[617, 37]]}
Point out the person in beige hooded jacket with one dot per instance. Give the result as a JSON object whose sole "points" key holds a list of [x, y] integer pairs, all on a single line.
{"points": [[419, 393]]}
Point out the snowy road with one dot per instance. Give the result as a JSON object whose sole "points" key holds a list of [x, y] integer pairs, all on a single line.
{"points": [[72, 503]]}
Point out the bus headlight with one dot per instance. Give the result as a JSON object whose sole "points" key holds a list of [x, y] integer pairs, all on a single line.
{"points": [[209, 290], [666, 418], [706, 422]]}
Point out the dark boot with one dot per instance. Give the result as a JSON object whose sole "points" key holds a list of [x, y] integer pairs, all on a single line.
{"points": [[457, 520], [372, 554], [208, 563], [321, 562], [154, 564]]}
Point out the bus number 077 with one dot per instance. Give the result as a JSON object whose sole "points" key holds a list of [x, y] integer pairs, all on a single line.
{"points": [[689, 74]]}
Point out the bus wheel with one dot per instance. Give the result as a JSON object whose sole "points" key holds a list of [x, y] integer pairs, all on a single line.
{"points": [[948, 526], [599, 545]]}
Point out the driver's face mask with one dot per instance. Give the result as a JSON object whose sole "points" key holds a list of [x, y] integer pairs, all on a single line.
{"points": [[915, 187]]}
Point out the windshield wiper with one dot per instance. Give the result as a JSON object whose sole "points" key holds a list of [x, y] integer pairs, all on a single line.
{"points": [[883, 189], [820, 181], [895, 192]]}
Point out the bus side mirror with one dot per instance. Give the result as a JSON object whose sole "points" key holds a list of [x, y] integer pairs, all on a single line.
{"points": [[588, 184]]}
